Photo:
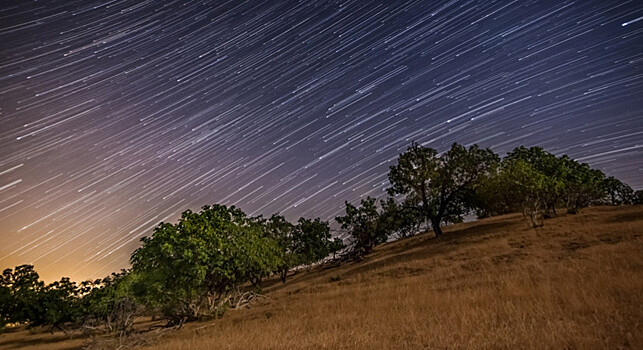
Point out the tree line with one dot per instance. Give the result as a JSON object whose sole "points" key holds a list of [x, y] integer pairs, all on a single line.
{"points": [[215, 259], [429, 189], [185, 271]]}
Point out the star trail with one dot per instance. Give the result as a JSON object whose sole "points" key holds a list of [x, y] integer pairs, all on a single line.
{"points": [[117, 115]]}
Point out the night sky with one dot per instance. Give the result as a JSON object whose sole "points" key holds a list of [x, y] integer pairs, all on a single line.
{"points": [[116, 115]]}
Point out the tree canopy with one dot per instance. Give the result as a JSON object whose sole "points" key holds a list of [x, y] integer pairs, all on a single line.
{"points": [[192, 266], [442, 185], [364, 225]]}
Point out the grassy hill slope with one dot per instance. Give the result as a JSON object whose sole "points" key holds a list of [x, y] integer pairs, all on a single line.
{"points": [[575, 283]]}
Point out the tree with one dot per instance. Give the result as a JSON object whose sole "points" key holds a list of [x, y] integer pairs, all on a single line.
{"points": [[402, 220], [26, 299], [303, 244], [550, 167], [282, 231], [638, 197], [25, 290], [110, 302], [57, 305], [364, 226], [583, 185], [7, 300], [494, 197], [527, 186], [617, 192], [537, 182], [336, 245], [442, 185], [191, 269], [312, 240]]}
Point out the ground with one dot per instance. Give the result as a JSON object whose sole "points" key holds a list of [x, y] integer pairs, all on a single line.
{"points": [[576, 283]]}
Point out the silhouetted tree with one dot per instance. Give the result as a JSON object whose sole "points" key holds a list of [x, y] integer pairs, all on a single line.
{"points": [[583, 185], [364, 226], [26, 299], [59, 301], [638, 197], [617, 192], [26, 289], [7, 299]]}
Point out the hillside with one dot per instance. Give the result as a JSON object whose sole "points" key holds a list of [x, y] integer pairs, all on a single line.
{"points": [[576, 283]]}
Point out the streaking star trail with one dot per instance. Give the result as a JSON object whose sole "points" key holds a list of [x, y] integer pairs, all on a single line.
{"points": [[117, 115]]}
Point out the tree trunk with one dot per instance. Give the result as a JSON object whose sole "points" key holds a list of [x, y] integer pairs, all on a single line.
{"points": [[535, 213], [256, 281], [435, 225], [550, 210], [534, 218], [429, 214]]}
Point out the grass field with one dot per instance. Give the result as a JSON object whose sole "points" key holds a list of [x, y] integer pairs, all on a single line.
{"points": [[576, 283]]}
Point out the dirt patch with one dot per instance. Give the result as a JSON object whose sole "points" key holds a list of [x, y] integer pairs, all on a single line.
{"points": [[610, 238], [575, 245]]}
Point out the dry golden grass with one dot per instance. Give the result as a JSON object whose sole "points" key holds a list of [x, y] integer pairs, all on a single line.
{"points": [[576, 283]]}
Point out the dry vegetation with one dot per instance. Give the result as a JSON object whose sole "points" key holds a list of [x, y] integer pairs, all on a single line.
{"points": [[576, 283]]}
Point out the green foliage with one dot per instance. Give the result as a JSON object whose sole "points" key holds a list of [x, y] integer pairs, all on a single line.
{"points": [[402, 220], [57, 304], [282, 232], [312, 240], [188, 269], [110, 302], [492, 196], [369, 227], [546, 164], [527, 186], [443, 186], [194, 268], [303, 244], [537, 182], [583, 185], [364, 226]]}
